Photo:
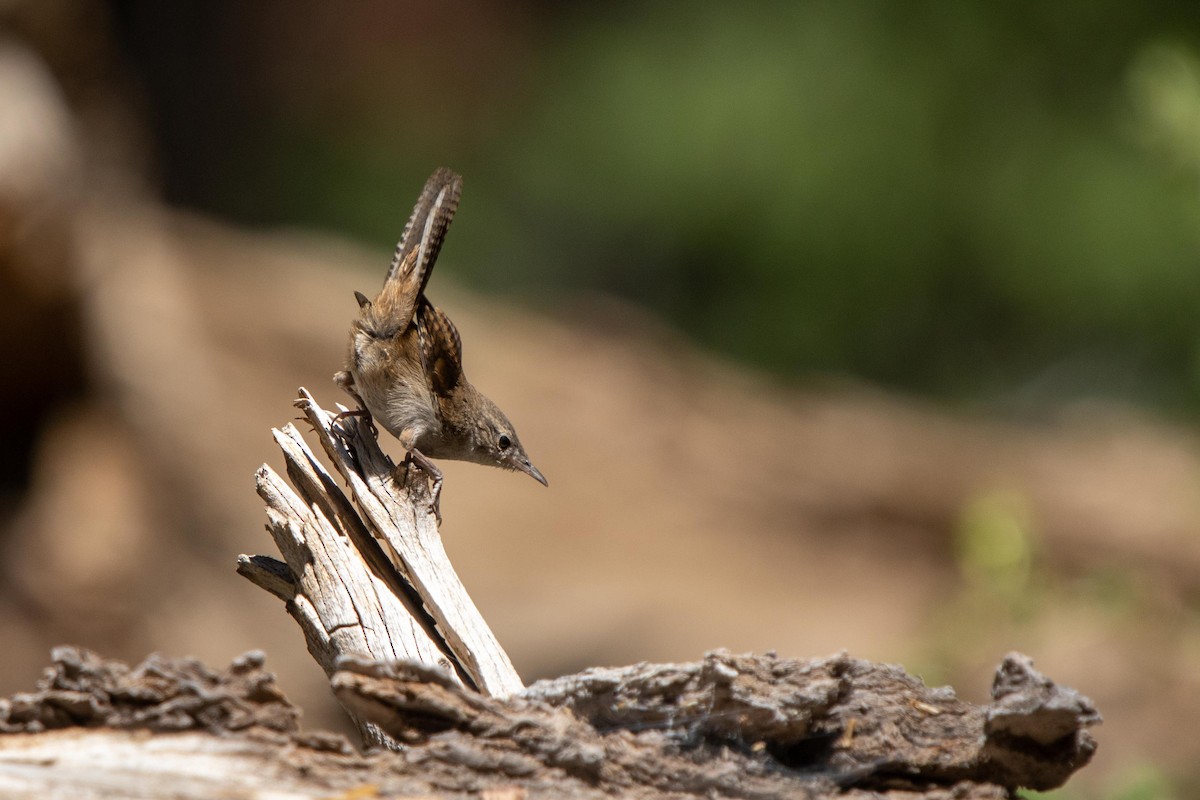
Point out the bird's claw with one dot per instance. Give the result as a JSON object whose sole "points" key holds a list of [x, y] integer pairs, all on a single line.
{"points": [[358, 412], [416, 457]]}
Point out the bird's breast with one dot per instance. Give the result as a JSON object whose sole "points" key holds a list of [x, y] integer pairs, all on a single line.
{"points": [[393, 386]]}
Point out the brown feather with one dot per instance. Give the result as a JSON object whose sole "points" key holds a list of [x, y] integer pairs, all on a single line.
{"points": [[421, 242], [441, 348]]}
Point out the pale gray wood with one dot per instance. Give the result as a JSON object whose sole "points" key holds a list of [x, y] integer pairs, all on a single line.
{"points": [[364, 573], [82, 764], [398, 515]]}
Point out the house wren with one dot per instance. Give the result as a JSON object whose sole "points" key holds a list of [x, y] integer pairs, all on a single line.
{"points": [[404, 365]]}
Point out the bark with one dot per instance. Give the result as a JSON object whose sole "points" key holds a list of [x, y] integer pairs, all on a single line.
{"points": [[736, 726]]}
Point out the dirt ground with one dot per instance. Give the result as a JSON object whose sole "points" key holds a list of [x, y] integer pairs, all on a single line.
{"points": [[692, 504]]}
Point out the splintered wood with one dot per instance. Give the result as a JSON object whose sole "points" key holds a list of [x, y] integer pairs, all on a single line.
{"points": [[364, 572]]}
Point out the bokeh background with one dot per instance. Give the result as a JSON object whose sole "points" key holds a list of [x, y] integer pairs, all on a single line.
{"points": [[834, 325]]}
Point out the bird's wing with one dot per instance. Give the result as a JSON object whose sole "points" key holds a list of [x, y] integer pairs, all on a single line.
{"points": [[441, 348]]}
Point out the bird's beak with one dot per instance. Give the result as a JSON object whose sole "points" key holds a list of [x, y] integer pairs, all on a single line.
{"points": [[532, 471]]}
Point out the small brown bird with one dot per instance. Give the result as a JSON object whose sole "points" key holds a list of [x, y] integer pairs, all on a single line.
{"points": [[404, 365]]}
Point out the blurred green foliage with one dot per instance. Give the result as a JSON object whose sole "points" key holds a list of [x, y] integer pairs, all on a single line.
{"points": [[947, 197], [1004, 588], [995, 549], [1141, 782], [972, 200]]}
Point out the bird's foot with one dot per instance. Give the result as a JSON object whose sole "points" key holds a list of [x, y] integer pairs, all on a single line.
{"points": [[422, 461], [359, 412]]}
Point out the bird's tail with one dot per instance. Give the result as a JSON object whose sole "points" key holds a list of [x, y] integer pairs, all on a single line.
{"points": [[416, 252], [426, 228]]}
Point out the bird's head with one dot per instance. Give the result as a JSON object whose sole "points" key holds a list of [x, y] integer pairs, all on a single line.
{"points": [[494, 441]]}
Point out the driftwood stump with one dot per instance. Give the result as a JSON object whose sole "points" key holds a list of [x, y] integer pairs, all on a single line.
{"points": [[437, 700], [369, 579]]}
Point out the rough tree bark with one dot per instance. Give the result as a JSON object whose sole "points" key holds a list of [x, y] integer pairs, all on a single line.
{"points": [[735, 726], [435, 696]]}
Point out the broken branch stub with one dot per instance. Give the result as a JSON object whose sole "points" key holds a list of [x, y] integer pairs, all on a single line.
{"points": [[364, 572]]}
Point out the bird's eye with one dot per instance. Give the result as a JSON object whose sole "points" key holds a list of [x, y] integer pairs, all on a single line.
{"points": [[504, 442]]}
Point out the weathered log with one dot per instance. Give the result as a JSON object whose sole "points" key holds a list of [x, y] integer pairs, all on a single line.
{"points": [[736, 726]]}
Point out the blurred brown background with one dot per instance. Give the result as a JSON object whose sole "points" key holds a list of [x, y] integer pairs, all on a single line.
{"points": [[833, 327]]}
